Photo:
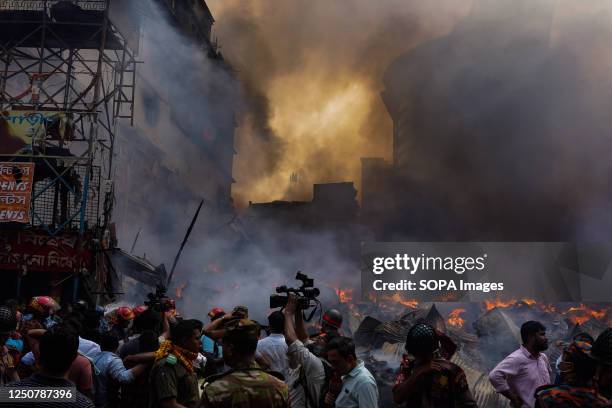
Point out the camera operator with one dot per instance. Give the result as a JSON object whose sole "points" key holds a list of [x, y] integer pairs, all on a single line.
{"points": [[306, 373]]}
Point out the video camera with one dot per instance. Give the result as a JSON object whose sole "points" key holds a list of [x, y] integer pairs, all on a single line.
{"points": [[159, 301], [305, 293]]}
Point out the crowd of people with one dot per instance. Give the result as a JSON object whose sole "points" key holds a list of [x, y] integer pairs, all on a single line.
{"points": [[147, 357], [581, 377]]}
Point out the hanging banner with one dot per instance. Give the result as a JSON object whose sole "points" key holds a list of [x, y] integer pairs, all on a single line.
{"points": [[39, 252], [16, 180], [19, 128]]}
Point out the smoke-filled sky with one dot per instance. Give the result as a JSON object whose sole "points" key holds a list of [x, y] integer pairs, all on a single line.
{"points": [[312, 74], [313, 70]]}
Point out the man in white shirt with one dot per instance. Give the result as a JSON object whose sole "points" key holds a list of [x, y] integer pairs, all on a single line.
{"points": [[87, 348], [272, 350]]}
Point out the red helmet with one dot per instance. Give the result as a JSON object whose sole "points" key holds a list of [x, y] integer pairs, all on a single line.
{"points": [[216, 312], [43, 304], [139, 309], [124, 313]]}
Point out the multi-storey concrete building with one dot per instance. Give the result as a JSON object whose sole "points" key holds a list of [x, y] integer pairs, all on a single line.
{"points": [[181, 147]]}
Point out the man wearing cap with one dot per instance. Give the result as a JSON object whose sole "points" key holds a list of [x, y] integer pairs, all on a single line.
{"points": [[216, 328], [241, 312], [577, 388], [173, 381], [427, 381], [246, 385]]}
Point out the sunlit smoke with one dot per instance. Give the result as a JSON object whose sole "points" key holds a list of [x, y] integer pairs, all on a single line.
{"points": [[314, 71]]}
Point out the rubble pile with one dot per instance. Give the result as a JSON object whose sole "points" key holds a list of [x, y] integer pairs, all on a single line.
{"points": [[484, 334]]}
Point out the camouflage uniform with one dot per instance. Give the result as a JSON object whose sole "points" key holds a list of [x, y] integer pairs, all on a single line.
{"points": [[248, 387], [241, 311], [169, 379], [568, 396], [447, 388]]}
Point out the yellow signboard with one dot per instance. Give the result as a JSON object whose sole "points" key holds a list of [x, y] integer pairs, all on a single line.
{"points": [[22, 128]]}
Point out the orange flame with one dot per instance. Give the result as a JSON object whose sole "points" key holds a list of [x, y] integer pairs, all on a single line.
{"points": [[344, 295], [454, 318], [498, 303], [491, 304], [581, 314], [179, 290], [397, 298]]}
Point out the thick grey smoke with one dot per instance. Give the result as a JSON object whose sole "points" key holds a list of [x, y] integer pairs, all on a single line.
{"points": [[502, 126], [498, 118], [229, 259]]}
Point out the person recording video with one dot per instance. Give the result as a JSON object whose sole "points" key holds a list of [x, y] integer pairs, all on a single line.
{"points": [[306, 372]]}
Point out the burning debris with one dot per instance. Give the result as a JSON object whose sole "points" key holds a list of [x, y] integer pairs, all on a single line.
{"points": [[483, 333], [396, 298], [454, 318], [344, 295], [581, 314]]}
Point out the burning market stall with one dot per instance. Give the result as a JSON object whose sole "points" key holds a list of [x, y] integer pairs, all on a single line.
{"points": [[484, 333]]}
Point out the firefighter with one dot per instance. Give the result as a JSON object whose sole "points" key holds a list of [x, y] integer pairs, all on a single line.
{"points": [[428, 381], [577, 388], [602, 352]]}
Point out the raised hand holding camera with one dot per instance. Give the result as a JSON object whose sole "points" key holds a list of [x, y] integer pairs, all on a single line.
{"points": [[304, 294]]}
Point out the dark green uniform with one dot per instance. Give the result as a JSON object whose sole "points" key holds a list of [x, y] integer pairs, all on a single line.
{"points": [[169, 379], [245, 388]]}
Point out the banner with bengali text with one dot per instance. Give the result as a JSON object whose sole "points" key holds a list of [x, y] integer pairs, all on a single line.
{"points": [[16, 180]]}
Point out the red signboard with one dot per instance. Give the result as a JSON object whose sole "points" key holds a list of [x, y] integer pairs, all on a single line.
{"points": [[16, 181], [40, 252]]}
